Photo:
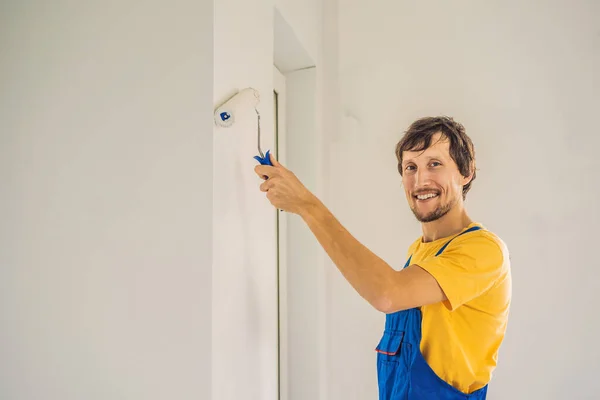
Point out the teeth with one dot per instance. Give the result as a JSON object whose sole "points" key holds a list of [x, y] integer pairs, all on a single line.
{"points": [[426, 196]]}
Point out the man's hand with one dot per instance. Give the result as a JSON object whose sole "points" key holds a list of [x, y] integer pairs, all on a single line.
{"points": [[284, 190]]}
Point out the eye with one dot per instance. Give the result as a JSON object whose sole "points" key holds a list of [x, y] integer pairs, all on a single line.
{"points": [[410, 167], [436, 164]]}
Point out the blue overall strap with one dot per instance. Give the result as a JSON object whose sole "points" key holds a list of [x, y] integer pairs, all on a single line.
{"points": [[474, 228]]}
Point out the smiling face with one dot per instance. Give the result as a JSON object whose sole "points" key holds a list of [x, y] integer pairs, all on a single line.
{"points": [[432, 181]]}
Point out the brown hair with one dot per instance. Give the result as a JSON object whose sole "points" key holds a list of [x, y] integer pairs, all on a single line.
{"points": [[418, 138]]}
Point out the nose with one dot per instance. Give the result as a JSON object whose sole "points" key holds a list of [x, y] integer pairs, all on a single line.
{"points": [[422, 178]]}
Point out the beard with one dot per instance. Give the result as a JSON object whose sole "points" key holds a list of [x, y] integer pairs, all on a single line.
{"points": [[438, 213]]}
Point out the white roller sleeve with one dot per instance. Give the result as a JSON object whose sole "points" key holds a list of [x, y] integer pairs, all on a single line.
{"points": [[245, 99]]}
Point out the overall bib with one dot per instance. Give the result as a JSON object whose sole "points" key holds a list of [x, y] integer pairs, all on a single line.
{"points": [[402, 372]]}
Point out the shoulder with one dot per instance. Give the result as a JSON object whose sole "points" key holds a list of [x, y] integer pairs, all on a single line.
{"points": [[483, 245]]}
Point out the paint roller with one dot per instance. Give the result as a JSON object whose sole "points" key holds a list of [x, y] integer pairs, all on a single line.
{"points": [[225, 115]]}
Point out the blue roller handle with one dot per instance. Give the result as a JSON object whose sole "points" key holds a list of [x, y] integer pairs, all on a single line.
{"points": [[264, 161]]}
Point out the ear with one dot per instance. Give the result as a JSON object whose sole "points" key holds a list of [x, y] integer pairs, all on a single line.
{"points": [[469, 178]]}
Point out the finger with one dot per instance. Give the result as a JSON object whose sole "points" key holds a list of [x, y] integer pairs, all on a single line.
{"points": [[277, 164], [267, 185], [274, 161], [264, 171], [264, 187]]}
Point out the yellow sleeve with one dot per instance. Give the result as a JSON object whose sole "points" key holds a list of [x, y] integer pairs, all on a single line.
{"points": [[467, 268]]}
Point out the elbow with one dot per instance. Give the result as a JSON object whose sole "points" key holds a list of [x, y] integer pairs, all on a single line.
{"points": [[392, 295], [387, 305], [382, 306]]}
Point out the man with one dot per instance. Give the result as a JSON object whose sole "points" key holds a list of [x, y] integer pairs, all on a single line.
{"points": [[447, 309]]}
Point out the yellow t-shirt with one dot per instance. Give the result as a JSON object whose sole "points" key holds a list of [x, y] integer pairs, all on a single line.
{"points": [[461, 336]]}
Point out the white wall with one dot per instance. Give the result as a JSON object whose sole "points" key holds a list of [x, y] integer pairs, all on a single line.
{"points": [[244, 241], [305, 270], [245, 264], [312, 120], [304, 16], [106, 200], [524, 82]]}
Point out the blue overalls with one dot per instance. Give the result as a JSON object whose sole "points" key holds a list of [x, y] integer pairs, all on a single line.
{"points": [[402, 372]]}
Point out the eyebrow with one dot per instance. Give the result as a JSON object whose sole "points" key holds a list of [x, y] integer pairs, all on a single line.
{"points": [[429, 158]]}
